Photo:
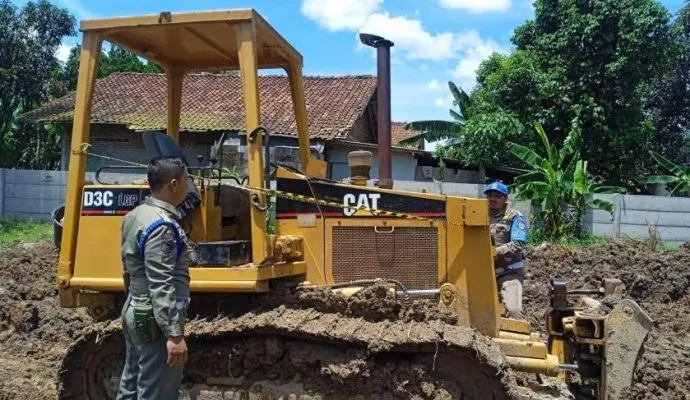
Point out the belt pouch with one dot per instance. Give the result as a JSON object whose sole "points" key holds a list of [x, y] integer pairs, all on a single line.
{"points": [[145, 323]]}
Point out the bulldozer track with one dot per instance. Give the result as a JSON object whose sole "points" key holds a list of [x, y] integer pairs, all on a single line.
{"points": [[305, 354]]}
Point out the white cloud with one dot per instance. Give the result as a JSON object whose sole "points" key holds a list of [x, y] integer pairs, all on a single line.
{"points": [[409, 36], [444, 102], [477, 6], [62, 52], [420, 48], [473, 49], [412, 99], [337, 15]]}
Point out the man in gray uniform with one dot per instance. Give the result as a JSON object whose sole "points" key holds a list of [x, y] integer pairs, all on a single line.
{"points": [[509, 234], [156, 271]]}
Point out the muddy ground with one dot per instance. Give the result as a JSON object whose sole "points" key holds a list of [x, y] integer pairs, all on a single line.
{"points": [[659, 282], [34, 330]]}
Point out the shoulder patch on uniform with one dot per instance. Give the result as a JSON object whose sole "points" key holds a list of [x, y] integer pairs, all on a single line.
{"points": [[518, 229], [171, 237], [169, 243]]}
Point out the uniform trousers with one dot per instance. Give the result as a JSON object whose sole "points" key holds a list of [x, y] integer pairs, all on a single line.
{"points": [[510, 286], [146, 375]]}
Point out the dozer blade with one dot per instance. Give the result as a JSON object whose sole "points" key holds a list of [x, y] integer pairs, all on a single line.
{"points": [[627, 327]]}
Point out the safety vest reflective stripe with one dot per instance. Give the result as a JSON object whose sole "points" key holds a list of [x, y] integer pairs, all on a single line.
{"points": [[141, 240]]}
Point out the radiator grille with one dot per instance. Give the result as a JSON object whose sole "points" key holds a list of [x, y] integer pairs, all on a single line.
{"points": [[408, 254]]}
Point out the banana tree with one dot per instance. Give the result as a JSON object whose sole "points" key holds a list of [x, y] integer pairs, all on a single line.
{"points": [[546, 183], [680, 174], [558, 180], [583, 191], [435, 130]]}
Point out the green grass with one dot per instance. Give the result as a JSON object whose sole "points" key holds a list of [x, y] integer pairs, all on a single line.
{"points": [[535, 238], [670, 248], [22, 230]]}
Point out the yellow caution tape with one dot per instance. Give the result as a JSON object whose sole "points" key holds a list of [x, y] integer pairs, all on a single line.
{"points": [[83, 148], [313, 200]]}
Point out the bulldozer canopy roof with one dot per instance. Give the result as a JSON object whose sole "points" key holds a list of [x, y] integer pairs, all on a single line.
{"points": [[197, 41]]}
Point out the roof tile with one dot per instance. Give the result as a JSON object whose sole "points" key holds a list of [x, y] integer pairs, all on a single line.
{"points": [[398, 133], [212, 102]]}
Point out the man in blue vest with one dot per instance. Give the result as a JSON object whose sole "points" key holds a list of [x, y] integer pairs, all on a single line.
{"points": [[509, 235], [156, 271]]}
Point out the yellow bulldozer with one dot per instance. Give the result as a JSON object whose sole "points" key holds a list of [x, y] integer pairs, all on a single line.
{"points": [[360, 291]]}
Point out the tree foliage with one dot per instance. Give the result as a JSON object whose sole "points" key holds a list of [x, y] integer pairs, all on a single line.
{"points": [[668, 97], [586, 66], [115, 59], [475, 136], [29, 76]]}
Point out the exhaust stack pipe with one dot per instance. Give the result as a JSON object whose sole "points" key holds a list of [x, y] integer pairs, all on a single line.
{"points": [[383, 63]]}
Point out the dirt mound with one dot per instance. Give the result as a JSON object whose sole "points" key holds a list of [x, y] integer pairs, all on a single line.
{"points": [[373, 303], [34, 330], [329, 355], [36, 333], [658, 281]]}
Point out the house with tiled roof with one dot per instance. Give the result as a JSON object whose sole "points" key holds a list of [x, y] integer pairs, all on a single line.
{"points": [[341, 110]]}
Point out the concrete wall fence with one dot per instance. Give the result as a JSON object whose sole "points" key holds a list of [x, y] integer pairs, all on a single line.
{"points": [[34, 194]]}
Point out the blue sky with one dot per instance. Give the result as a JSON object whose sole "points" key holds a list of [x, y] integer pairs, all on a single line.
{"points": [[435, 40]]}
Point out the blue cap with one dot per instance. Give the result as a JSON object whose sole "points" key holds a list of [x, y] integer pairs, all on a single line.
{"points": [[497, 187]]}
